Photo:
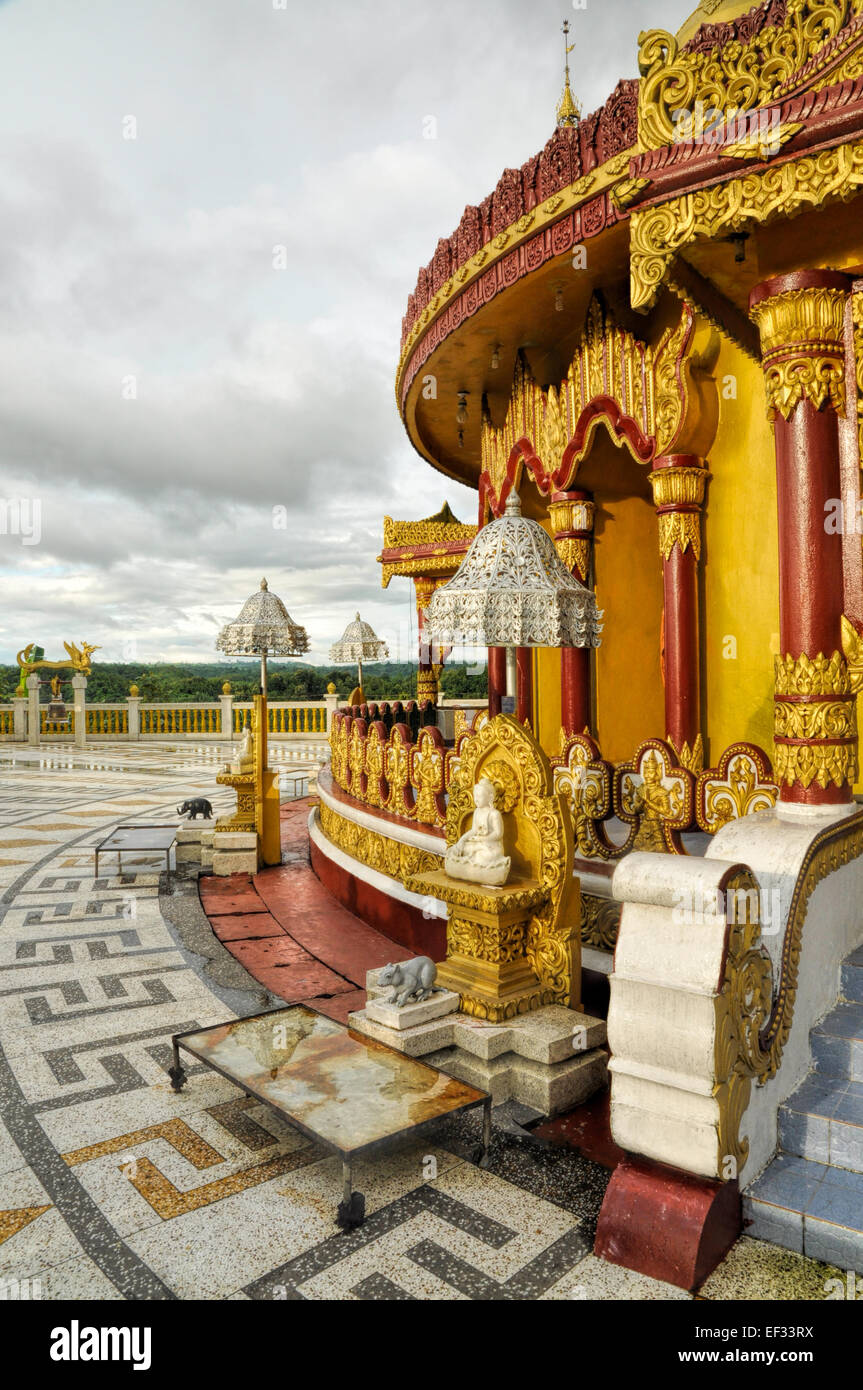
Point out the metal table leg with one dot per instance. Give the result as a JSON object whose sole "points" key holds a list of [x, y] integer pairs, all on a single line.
{"points": [[352, 1207], [176, 1073]]}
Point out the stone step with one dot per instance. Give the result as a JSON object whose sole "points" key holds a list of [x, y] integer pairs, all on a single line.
{"points": [[809, 1207], [837, 1042], [852, 977], [823, 1121]]}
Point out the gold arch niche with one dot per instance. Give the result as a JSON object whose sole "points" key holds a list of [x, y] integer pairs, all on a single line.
{"points": [[623, 402], [651, 397]]}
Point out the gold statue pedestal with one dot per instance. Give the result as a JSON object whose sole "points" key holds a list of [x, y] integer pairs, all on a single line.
{"points": [[486, 939]]}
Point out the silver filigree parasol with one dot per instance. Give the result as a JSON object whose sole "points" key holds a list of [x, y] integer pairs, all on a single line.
{"points": [[263, 627], [513, 590], [359, 643]]}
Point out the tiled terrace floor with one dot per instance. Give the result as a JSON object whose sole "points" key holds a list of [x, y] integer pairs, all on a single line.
{"points": [[112, 1186]]}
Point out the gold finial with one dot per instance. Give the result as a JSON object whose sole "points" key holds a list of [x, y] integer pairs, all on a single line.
{"points": [[568, 109], [263, 584]]}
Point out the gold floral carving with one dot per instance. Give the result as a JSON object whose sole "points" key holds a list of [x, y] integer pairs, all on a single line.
{"points": [[742, 1008], [679, 528], [574, 552], [761, 143], [852, 650], [741, 785], [600, 922], [658, 233], [819, 675], [733, 76], [647, 385], [809, 715], [692, 758]]}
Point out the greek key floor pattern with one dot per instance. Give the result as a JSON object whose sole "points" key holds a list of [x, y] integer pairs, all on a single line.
{"points": [[113, 1187]]}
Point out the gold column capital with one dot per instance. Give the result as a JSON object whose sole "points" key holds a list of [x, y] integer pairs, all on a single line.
{"points": [[572, 515], [678, 494], [802, 341]]}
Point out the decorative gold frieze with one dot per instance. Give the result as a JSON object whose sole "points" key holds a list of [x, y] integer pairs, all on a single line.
{"points": [[679, 528], [818, 675], [678, 486], [734, 77], [648, 386], [658, 233], [824, 763], [374, 849]]}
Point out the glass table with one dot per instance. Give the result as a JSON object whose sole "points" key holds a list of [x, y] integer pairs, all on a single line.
{"points": [[144, 839], [349, 1093]]}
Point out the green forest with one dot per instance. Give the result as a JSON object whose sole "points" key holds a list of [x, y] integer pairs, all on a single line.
{"points": [[110, 681]]}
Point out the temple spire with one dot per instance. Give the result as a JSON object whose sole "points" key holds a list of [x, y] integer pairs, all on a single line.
{"points": [[568, 109]]}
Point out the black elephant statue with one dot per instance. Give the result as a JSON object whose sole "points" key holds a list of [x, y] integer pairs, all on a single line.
{"points": [[198, 806]]}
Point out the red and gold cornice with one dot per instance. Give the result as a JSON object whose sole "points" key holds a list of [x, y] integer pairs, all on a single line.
{"points": [[574, 214]]}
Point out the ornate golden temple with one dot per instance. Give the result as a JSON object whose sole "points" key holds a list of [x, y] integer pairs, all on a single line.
{"points": [[653, 333]]}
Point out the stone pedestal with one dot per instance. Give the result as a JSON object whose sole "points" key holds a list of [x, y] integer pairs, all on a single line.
{"points": [[486, 939], [195, 843], [551, 1059], [235, 852]]}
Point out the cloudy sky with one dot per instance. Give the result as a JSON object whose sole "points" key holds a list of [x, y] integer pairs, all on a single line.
{"points": [[163, 386]]}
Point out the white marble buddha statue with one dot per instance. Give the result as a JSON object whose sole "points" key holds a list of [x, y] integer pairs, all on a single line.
{"points": [[478, 856], [244, 759]]}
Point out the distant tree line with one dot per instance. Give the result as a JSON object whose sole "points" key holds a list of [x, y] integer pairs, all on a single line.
{"points": [[169, 682]]}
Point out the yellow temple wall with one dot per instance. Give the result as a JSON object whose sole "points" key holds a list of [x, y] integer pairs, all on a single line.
{"points": [[740, 576], [546, 685], [630, 702]]}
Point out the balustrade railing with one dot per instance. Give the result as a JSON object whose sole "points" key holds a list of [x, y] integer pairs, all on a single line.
{"points": [[654, 803], [186, 718], [26, 720]]}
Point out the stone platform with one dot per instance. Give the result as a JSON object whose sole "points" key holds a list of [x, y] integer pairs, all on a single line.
{"points": [[550, 1059]]}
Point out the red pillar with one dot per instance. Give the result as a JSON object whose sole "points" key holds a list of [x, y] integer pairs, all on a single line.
{"points": [[524, 684], [801, 320], [571, 515], [678, 482], [496, 679]]}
